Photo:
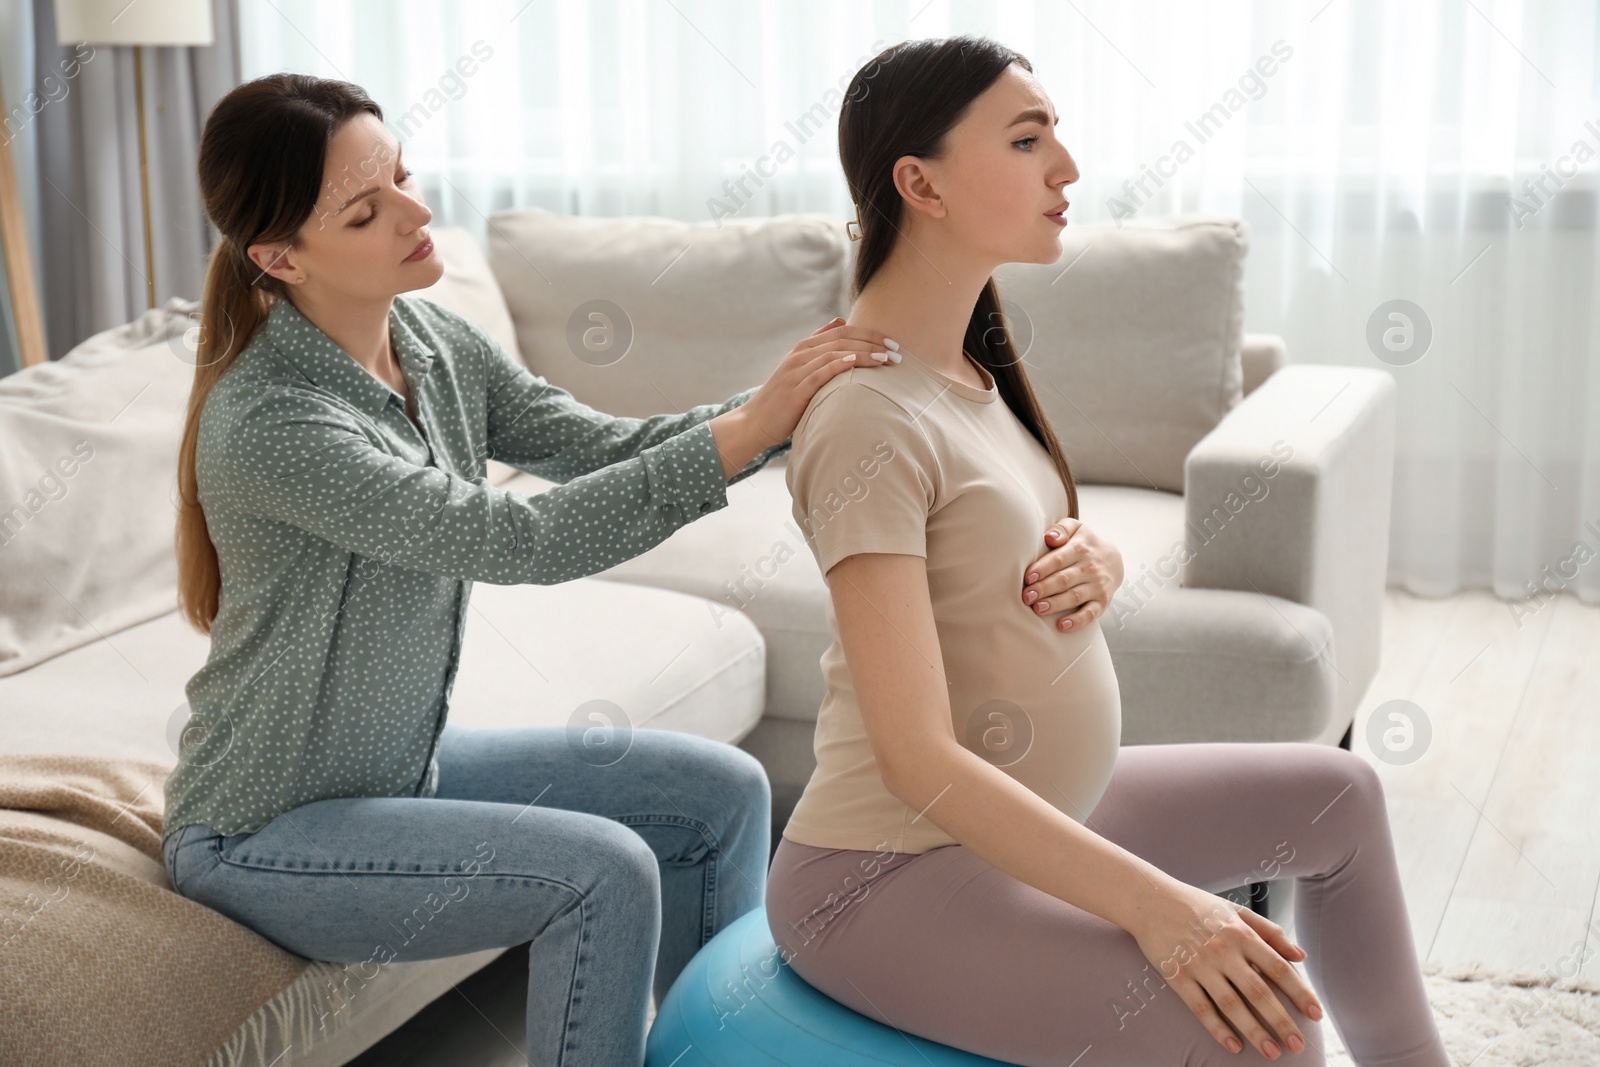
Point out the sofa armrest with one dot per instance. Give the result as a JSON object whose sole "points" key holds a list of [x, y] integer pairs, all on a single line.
{"points": [[1261, 355], [1289, 496]]}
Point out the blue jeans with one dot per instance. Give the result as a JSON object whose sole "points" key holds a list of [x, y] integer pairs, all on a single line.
{"points": [[617, 874]]}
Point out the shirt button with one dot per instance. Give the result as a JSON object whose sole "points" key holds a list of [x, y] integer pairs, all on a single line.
{"points": [[705, 508]]}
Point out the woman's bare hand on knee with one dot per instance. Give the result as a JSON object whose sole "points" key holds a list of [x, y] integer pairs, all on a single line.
{"points": [[1223, 959]]}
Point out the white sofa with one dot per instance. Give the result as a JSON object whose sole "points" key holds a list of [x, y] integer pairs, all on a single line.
{"points": [[1250, 610], [1250, 499]]}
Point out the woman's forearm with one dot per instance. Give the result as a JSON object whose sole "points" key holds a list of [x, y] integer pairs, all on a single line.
{"points": [[1017, 831], [738, 440]]}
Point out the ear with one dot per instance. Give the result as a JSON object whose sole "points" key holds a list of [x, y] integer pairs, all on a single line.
{"points": [[914, 181], [276, 258]]}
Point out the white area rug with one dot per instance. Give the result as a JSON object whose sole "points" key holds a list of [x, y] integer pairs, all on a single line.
{"points": [[1506, 1019]]}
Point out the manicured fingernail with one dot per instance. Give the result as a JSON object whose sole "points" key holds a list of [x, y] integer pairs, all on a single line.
{"points": [[1034, 577], [891, 344], [1269, 1049], [851, 358], [896, 357], [1029, 597], [1067, 625], [1233, 1044], [1296, 1044], [880, 356]]}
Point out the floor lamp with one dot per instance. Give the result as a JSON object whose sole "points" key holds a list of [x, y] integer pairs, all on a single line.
{"points": [[26, 323], [145, 22]]}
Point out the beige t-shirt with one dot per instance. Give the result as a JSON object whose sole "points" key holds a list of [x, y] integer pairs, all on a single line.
{"points": [[902, 458]]}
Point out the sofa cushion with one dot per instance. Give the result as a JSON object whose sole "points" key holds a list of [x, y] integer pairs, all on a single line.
{"points": [[1222, 665], [1194, 664], [537, 655], [1133, 349], [532, 655], [88, 484], [747, 558], [697, 311]]}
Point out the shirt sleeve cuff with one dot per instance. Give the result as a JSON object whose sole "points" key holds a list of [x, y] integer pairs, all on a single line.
{"points": [[686, 474]]}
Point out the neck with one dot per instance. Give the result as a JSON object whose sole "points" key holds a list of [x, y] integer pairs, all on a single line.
{"points": [[923, 297], [361, 329]]}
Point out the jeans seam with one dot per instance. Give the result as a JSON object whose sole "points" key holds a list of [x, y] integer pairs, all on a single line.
{"points": [[708, 895], [577, 969], [167, 856], [409, 874]]}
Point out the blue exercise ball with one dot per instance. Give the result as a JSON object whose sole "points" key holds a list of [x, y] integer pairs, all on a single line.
{"points": [[738, 1004]]}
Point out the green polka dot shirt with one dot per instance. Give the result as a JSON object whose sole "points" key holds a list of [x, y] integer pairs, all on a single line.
{"points": [[349, 536]]}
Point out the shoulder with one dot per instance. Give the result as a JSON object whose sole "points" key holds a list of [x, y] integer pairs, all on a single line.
{"points": [[267, 420], [258, 373], [861, 420], [874, 404], [876, 395], [261, 386]]}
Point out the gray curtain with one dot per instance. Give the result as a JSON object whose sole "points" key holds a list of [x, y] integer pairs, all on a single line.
{"points": [[92, 257]]}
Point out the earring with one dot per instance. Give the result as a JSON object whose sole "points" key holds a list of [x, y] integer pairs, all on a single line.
{"points": [[852, 228]]}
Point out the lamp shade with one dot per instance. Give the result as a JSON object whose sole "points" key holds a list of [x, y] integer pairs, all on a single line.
{"points": [[154, 22]]}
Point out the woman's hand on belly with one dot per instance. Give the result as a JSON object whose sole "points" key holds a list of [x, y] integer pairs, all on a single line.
{"points": [[1075, 578]]}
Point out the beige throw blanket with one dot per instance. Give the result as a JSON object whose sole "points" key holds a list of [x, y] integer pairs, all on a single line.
{"points": [[100, 961]]}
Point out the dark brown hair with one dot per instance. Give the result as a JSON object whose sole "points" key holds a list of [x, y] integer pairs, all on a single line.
{"points": [[903, 103], [260, 167]]}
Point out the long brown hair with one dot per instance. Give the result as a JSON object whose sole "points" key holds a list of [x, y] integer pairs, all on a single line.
{"points": [[260, 166], [902, 104]]}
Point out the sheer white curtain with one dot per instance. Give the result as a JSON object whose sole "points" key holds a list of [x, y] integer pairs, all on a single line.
{"points": [[1436, 153]]}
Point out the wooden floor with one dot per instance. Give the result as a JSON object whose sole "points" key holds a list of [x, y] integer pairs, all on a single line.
{"points": [[1497, 824]]}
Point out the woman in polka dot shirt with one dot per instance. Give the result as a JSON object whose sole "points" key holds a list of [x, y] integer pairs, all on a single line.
{"points": [[334, 515]]}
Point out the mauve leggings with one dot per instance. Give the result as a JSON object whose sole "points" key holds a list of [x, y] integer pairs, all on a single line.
{"points": [[948, 947]]}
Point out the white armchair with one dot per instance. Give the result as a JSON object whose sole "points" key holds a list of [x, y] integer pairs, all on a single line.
{"points": [[1314, 549]]}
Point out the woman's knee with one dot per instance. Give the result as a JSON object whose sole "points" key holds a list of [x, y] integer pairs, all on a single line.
{"points": [[1348, 777], [620, 863], [1342, 796], [747, 778], [726, 781], [728, 762]]}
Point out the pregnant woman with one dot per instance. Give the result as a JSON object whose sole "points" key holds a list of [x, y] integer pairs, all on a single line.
{"points": [[974, 859], [334, 514]]}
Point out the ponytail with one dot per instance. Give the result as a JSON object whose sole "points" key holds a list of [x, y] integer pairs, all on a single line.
{"points": [[260, 165], [231, 311]]}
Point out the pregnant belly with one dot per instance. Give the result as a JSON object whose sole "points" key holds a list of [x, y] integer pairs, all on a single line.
{"points": [[1041, 705]]}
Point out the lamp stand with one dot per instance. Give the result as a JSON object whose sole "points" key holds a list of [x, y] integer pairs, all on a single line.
{"points": [[144, 177], [28, 318]]}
